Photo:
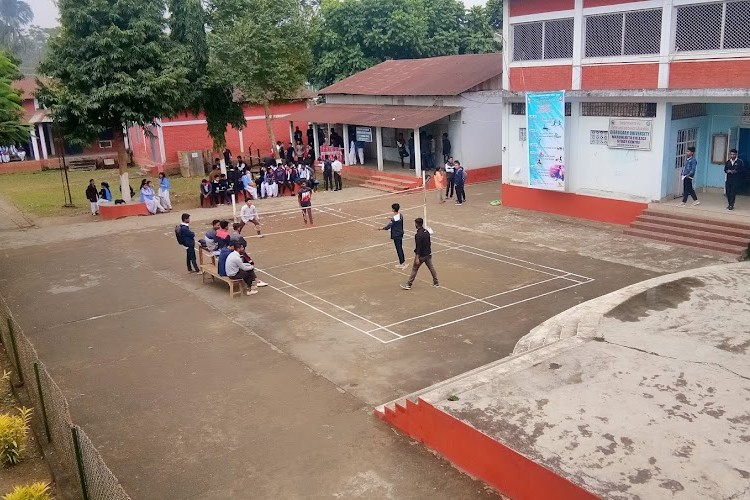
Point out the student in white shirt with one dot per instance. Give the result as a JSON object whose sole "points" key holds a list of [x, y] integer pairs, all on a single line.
{"points": [[249, 215], [337, 166]]}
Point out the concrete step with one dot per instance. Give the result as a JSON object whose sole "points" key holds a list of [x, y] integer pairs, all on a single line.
{"points": [[704, 225], [702, 218], [704, 233], [737, 251]]}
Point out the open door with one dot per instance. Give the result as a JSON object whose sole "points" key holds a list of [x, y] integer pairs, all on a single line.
{"points": [[743, 152]]}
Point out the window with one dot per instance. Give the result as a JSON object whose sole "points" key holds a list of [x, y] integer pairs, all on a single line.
{"points": [[543, 40], [713, 26], [599, 137], [685, 139], [681, 111], [627, 33], [620, 109], [522, 134], [519, 108], [105, 144]]}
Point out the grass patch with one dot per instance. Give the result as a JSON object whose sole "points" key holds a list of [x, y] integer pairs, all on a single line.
{"points": [[41, 193]]}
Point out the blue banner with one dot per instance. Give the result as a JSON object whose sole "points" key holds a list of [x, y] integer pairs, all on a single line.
{"points": [[545, 125]]}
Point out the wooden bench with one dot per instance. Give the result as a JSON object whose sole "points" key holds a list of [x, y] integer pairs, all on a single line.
{"points": [[236, 287]]}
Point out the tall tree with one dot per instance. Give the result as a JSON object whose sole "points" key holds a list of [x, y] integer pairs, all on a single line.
{"points": [[12, 131], [111, 63], [352, 35], [14, 16], [207, 92], [35, 45], [495, 11], [261, 47]]}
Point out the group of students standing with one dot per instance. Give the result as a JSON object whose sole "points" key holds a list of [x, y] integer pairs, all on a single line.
{"points": [[453, 179]]}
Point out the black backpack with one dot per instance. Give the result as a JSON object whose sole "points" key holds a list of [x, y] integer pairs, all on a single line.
{"points": [[177, 232]]}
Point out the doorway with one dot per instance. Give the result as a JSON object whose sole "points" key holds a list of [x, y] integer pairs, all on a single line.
{"points": [[687, 137], [743, 153]]}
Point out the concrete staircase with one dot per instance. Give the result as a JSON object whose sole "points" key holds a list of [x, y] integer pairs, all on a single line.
{"points": [[383, 181], [726, 237]]}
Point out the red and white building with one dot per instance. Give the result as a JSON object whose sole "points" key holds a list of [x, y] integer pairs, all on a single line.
{"points": [[678, 67]]}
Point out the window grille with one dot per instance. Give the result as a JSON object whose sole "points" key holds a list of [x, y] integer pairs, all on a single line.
{"points": [[519, 108], [620, 109], [522, 134], [685, 139], [681, 111], [543, 40], [713, 26], [626, 33], [599, 137], [105, 144]]}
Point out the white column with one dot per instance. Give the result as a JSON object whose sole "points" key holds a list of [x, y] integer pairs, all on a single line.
{"points": [[162, 149], [125, 137], [417, 154], [316, 141], [242, 144], [51, 133], [42, 140], [291, 132], [328, 133], [667, 36], [345, 133], [379, 142], [34, 144], [507, 46], [578, 30], [505, 132]]}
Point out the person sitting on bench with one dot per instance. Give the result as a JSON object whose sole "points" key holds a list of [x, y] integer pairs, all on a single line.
{"points": [[236, 269]]}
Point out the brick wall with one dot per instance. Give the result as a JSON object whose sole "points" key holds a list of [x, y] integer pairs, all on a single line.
{"points": [[535, 78], [709, 74], [601, 3], [620, 76], [118, 144], [524, 7]]}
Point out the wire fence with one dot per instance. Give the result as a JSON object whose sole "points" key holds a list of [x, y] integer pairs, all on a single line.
{"points": [[79, 470]]}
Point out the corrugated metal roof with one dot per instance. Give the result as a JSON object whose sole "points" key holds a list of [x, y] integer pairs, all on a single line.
{"points": [[373, 115], [446, 75]]}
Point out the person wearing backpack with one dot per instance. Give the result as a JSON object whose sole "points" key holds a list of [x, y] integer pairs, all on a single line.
{"points": [[327, 174], [186, 238]]}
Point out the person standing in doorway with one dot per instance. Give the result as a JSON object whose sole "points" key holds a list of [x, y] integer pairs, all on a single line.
{"points": [[297, 135], [446, 148], [688, 174], [450, 177], [422, 255], [337, 166], [412, 164], [402, 153], [396, 226], [733, 168], [459, 178], [187, 238]]}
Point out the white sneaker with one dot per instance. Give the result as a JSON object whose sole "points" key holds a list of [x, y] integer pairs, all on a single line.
{"points": [[252, 292], [261, 283], [696, 203], [680, 204]]}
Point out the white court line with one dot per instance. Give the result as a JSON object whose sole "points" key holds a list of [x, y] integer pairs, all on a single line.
{"points": [[482, 313], [329, 303], [326, 256], [471, 302]]}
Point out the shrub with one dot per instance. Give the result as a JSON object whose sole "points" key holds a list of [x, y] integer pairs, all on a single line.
{"points": [[13, 433], [36, 491]]}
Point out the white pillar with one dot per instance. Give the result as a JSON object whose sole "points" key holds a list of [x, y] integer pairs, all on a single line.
{"points": [[162, 148], [417, 154], [328, 133], [40, 127], [316, 141], [346, 143], [34, 144], [125, 137], [242, 144], [291, 133], [51, 141], [379, 143]]}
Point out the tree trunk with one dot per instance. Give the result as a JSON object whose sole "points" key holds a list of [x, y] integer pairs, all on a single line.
{"points": [[122, 162], [269, 128]]}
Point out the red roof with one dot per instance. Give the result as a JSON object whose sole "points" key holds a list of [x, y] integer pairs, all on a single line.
{"points": [[27, 86], [446, 76], [374, 115]]}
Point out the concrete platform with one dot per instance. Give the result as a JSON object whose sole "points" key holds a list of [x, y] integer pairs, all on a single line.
{"points": [[642, 393], [112, 211]]}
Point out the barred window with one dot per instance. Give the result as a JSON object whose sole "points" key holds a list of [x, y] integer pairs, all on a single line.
{"points": [[522, 134], [543, 40], [681, 111], [599, 137], [519, 108], [713, 26], [627, 33], [619, 109]]}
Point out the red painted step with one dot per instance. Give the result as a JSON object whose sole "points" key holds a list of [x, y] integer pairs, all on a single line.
{"points": [[692, 232], [694, 225], [703, 219], [737, 251]]}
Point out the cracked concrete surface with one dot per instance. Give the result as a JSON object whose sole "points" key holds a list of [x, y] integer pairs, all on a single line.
{"points": [[655, 404]]}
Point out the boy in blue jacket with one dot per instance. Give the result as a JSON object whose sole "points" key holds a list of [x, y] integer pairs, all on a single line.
{"points": [[187, 238]]}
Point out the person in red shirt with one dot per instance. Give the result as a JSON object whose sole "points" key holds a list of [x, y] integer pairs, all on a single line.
{"points": [[304, 196]]}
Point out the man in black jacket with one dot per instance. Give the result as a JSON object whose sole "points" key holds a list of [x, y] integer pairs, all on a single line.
{"points": [[733, 168], [422, 255], [187, 238], [396, 225]]}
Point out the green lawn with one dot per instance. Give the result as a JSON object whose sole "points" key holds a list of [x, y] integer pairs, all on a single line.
{"points": [[41, 193]]}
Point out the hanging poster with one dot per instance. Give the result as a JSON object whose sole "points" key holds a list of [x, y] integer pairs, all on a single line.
{"points": [[545, 123]]}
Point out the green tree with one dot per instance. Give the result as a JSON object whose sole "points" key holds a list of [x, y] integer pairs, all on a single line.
{"points": [[14, 15], [352, 35], [261, 47], [495, 11], [12, 131], [209, 92], [111, 63], [35, 38]]}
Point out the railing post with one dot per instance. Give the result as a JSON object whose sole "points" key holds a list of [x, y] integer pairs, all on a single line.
{"points": [[41, 402], [15, 352], [79, 459]]}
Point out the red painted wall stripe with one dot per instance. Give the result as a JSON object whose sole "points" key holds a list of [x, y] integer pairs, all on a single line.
{"points": [[541, 78], [524, 7], [602, 3], [620, 76], [709, 74], [572, 205]]}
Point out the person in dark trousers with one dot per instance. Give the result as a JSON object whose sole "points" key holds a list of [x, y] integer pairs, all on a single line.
{"points": [[93, 196], [450, 177], [337, 166], [304, 197], [310, 135], [227, 157], [412, 164], [327, 174], [396, 225], [297, 135], [187, 238], [459, 178], [446, 147], [734, 167], [688, 173], [422, 255]]}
